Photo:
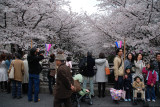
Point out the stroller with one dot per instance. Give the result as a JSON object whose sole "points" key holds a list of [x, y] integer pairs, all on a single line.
{"points": [[81, 95], [138, 94]]}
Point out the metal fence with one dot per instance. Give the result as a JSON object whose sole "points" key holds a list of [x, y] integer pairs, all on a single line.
{"points": [[75, 70]]}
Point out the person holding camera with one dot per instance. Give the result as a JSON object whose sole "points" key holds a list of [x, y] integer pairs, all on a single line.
{"points": [[34, 69]]}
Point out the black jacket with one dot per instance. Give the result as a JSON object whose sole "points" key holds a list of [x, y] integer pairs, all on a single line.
{"points": [[88, 70], [33, 63], [127, 82]]}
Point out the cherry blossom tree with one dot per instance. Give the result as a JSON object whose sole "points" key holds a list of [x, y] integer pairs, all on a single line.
{"points": [[137, 21]]}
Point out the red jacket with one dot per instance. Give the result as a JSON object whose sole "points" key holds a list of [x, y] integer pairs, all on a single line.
{"points": [[152, 76]]}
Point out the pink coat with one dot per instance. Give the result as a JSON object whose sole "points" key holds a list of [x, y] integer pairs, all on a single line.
{"points": [[152, 76]]}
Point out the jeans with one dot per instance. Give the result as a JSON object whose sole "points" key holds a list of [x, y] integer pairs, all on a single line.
{"points": [[85, 79], [33, 80], [119, 84], [150, 92], [16, 88]]}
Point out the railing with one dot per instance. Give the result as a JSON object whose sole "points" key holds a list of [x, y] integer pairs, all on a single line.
{"points": [[76, 70]]}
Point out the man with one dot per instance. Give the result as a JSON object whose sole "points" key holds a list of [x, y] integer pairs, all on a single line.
{"points": [[18, 76], [118, 69], [34, 70], [86, 65], [156, 65], [64, 83]]}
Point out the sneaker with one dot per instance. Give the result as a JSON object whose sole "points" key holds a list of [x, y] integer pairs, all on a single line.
{"points": [[148, 100], [125, 100], [37, 101], [129, 99], [153, 100]]}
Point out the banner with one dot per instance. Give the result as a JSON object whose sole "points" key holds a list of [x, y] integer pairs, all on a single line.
{"points": [[119, 44], [48, 46]]}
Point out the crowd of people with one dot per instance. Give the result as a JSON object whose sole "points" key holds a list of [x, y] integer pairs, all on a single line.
{"points": [[28, 68], [147, 71]]}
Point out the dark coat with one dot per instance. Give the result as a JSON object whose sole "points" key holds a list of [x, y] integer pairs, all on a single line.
{"points": [[33, 63], [63, 82], [88, 71], [157, 68], [127, 82]]}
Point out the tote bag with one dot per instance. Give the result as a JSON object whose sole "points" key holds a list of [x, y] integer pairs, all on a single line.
{"points": [[11, 74], [107, 71]]}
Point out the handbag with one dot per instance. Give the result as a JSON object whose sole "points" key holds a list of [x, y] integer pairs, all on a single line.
{"points": [[107, 71], [77, 86], [115, 94], [11, 73]]}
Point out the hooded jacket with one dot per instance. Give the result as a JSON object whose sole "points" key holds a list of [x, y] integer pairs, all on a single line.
{"points": [[100, 65], [152, 76]]}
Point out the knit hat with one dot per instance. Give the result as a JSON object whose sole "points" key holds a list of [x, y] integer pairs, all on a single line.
{"points": [[78, 77], [60, 57]]}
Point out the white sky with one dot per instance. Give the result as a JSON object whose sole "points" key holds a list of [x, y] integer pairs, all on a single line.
{"points": [[84, 5]]}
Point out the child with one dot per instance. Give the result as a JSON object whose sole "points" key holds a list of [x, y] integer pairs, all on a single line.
{"points": [[127, 83], [151, 80], [139, 86]]}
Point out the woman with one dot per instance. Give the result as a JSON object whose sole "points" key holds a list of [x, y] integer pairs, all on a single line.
{"points": [[3, 73], [139, 63], [52, 72], [26, 75], [8, 63], [101, 77], [129, 62], [18, 76]]}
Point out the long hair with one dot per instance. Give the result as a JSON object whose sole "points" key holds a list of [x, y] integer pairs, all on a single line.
{"points": [[138, 55], [132, 60]]}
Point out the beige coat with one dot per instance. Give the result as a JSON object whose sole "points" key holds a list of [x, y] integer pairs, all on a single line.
{"points": [[139, 85], [118, 70], [18, 69]]}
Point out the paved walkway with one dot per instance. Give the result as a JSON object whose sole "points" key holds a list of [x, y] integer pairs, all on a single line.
{"points": [[47, 101]]}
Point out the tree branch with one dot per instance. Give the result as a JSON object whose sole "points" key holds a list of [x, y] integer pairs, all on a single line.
{"points": [[38, 21]]}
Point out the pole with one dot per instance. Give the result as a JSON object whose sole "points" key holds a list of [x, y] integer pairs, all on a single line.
{"points": [[31, 43]]}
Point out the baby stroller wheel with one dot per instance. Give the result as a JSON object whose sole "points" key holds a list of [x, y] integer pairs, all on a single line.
{"points": [[78, 105], [90, 102]]}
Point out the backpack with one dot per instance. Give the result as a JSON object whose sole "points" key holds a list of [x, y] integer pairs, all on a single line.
{"points": [[157, 79], [83, 64]]}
